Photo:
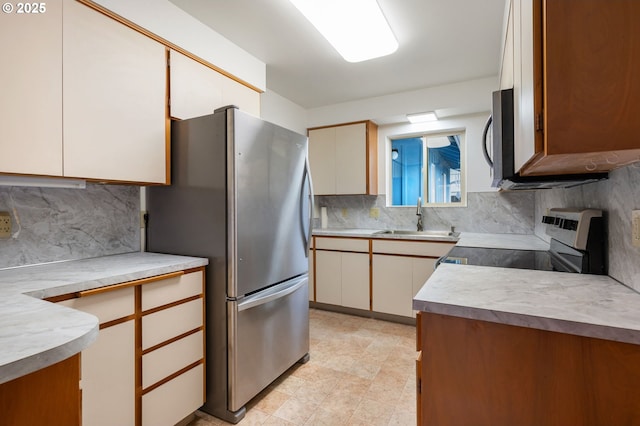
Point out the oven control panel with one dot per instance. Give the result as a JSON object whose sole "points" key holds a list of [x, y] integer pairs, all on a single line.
{"points": [[570, 226]]}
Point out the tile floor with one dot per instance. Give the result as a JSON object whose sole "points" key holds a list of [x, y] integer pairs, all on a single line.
{"points": [[361, 372]]}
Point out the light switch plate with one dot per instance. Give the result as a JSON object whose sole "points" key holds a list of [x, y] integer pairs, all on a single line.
{"points": [[635, 228]]}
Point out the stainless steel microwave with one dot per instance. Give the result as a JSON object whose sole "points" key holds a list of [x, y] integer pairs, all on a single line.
{"points": [[501, 126]]}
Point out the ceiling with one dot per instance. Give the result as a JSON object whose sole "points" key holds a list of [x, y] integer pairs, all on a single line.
{"points": [[441, 42]]}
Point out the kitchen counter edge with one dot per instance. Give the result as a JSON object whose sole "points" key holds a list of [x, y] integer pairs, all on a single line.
{"points": [[35, 334], [585, 305]]}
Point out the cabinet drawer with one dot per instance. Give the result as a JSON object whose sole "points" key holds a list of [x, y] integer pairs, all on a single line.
{"points": [[106, 306], [171, 289], [167, 360], [412, 248], [176, 399], [163, 325], [343, 244]]}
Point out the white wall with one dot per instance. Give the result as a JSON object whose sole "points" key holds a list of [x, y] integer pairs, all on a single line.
{"points": [[463, 98], [168, 21], [281, 111], [478, 177]]}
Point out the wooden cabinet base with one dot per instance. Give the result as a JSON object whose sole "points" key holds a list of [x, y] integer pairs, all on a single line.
{"points": [[50, 396], [482, 373]]}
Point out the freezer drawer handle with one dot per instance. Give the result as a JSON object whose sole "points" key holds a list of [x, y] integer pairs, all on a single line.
{"points": [[252, 303]]}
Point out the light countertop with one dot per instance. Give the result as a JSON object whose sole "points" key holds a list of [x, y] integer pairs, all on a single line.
{"points": [[380, 234], [580, 304], [35, 333]]}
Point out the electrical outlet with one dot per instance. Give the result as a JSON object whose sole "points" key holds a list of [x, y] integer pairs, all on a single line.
{"points": [[374, 213], [5, 225], [635, 228]]}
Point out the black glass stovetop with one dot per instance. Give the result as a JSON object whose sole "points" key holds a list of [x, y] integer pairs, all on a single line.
{"points": [[502, 258]]}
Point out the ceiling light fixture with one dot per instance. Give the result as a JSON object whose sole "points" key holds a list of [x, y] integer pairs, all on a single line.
{"points": [[357, 29], [421, 117]]}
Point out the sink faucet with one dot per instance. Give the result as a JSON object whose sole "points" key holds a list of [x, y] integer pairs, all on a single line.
{"points": [[419, 214]]}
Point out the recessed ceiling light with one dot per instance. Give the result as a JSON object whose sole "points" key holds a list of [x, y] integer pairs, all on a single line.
{"points": [[357, 29], [421, 117]]}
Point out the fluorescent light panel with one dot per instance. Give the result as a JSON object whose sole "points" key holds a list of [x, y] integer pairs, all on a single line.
{"points": [[421, 117], [357, 29], [42, 182]]}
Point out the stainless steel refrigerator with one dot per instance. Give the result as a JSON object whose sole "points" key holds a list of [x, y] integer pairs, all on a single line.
{"points": [[241, 196]]}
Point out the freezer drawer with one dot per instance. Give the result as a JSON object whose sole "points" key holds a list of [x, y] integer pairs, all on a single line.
{"points": [[268, 333]]}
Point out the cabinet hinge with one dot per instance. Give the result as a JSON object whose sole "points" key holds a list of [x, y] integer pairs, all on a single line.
{"points": [[539, 122], [419, 386]]}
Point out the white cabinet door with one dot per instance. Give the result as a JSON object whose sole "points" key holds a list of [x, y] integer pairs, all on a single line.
{"points": [[322, 160], [351, 159], [114, 110], [108, 365], [329, 277], [421, 268], [31, 96], [392, 285], [198, 90], [338, 159], [506, 69], [355, 280], [108, 377], [311, 278]]}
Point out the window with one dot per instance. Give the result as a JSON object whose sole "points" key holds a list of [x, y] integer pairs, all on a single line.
{"points": [[427, 166]]}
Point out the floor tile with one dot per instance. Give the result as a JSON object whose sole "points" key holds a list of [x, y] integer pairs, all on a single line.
{"points": [[361, 372]]}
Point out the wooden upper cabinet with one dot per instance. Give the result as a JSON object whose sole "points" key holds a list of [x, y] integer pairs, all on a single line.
{"points": [[343, 159], [198, 90], [115, 97], [581, 103], [31, 99]]}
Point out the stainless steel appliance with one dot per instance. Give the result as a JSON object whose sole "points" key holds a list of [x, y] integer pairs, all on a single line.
{"points": [[241, 196], [501, 122], [577, 245]]}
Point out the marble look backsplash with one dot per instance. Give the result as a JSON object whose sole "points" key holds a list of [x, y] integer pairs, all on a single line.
{"points": [[617, 196], [64, 224], [494, 212]]}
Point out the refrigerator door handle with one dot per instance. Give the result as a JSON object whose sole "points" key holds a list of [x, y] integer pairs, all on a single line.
{"points": [[307, 178], [274, 293]]}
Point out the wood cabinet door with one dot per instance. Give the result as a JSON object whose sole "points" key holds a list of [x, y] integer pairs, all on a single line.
{"points": [[115, 100], [31, 99], [198, 90]]}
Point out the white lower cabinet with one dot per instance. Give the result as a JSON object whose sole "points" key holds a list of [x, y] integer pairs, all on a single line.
{"points": [[166, 405], [108, 377], [382, 279], [108, 366], [396, 280], [164, 376], [342, 277]]}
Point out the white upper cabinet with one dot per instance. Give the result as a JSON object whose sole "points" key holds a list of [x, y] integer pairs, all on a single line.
{"points": [[31, 93], [115, 100], [198, 90], [343, 159]]}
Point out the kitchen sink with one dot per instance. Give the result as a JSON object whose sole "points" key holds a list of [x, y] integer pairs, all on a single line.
{"points": [[428, 233]]}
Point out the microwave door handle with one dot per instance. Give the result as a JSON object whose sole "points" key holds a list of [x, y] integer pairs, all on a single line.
{"points": [[485, 151]]}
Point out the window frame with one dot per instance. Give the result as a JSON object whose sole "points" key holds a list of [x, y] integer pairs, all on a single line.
{"points": [[461, 133]]}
